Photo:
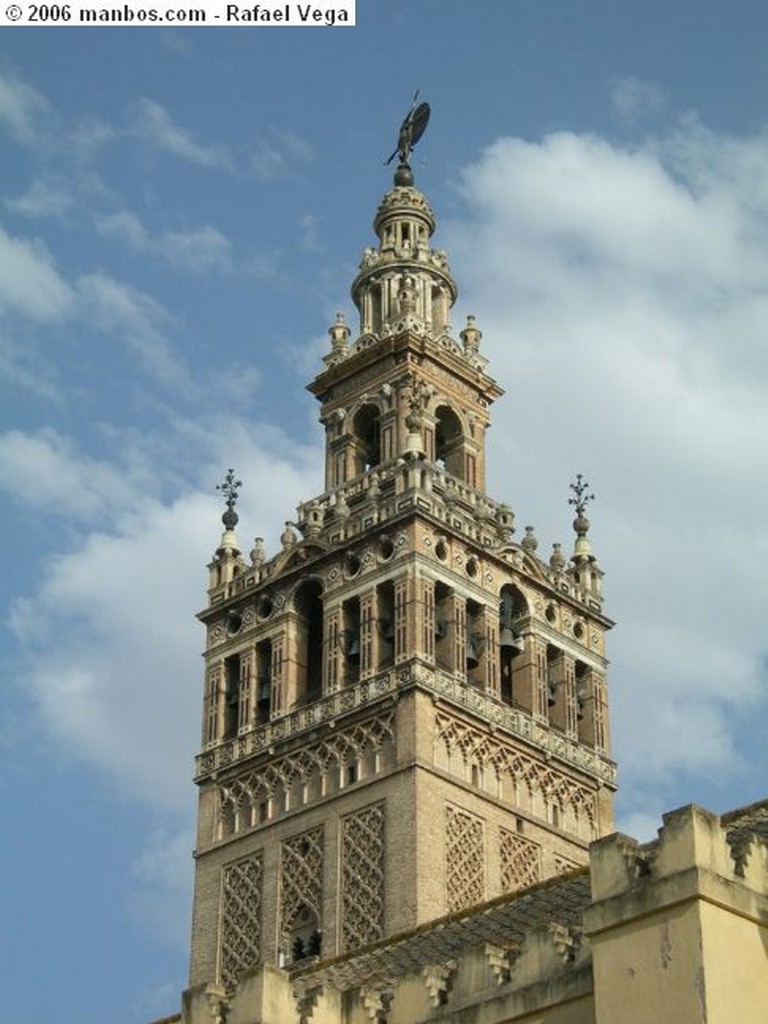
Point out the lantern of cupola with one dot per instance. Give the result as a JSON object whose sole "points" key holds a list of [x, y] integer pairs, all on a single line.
{"points": [[404, 276]]}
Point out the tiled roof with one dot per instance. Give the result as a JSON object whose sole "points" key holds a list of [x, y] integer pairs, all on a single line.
{"points": [[504, 922]]}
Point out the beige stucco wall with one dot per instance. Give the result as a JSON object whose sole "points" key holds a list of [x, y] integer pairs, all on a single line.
{"points": [[735, 955], [650, 970]]}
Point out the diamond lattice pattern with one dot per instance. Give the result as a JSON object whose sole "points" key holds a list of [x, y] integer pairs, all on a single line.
{"points": [[362, 877], [301, 877], [520, 861], [465, 859], [240, 918]]}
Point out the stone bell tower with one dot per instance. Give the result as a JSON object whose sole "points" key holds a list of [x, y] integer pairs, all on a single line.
{"points": [[405, 707]]}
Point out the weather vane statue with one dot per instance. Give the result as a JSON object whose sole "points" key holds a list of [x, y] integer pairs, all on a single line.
{"points": [[411, 130]]}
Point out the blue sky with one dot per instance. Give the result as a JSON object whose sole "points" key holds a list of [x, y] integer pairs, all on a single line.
{"points": [[181, 215]]}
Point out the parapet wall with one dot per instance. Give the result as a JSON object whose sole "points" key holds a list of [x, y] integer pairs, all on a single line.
{"points": [[678, 926]]}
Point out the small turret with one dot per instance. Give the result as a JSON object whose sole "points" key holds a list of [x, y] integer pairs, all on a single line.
{"points": [[227, 560], [585, 569]]}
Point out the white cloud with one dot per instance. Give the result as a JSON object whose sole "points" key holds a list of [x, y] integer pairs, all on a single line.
{"points": [[139, 321], [309, 238], [20, 367], [110, 636], [154, 124], [163, 873], [640, 825], [622, 293], [125, 227], [236, 384], [29, 282], [267, 162], [33, 121], [295, 146], [21, 108], [277, 158], [88, 138], [199, 250], [43, 473], [633, 98], [45, 197]]}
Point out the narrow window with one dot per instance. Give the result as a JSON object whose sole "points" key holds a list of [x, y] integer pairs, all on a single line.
{"points": [[263, 681], [350, 640], [513, 609], [449, 442], [309, 642], [231, 694], [367, 434], [385, 593]]}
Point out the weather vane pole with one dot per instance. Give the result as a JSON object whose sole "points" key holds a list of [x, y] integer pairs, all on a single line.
{"points": [[411, 130]]}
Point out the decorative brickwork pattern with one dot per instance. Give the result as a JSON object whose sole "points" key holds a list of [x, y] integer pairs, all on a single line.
{"points": [[465, 859], [240, 919], [520, 861], [247, 799], [465, 747], [564, 864], [362, 877], [301, 878]]}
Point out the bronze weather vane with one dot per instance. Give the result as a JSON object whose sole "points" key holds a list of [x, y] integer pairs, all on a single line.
{"points": [[411, 130]]}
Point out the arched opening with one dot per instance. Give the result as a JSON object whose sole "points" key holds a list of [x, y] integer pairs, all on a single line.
{"points": [[586, 711], [226, 819], [556, 686], [367, 434], [263, 681], [449, 441], [513, 608], [308, 603], [350, 640], [439, 309], [444, 627], [385, 594], [231, 695], [305, 937], [474, 655]]}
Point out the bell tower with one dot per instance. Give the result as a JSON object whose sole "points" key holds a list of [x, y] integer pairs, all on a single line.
{"points": [[405, 707]]}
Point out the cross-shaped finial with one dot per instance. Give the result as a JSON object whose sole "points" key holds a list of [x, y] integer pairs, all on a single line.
{"points": [[581, 499], [229, 489]]}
